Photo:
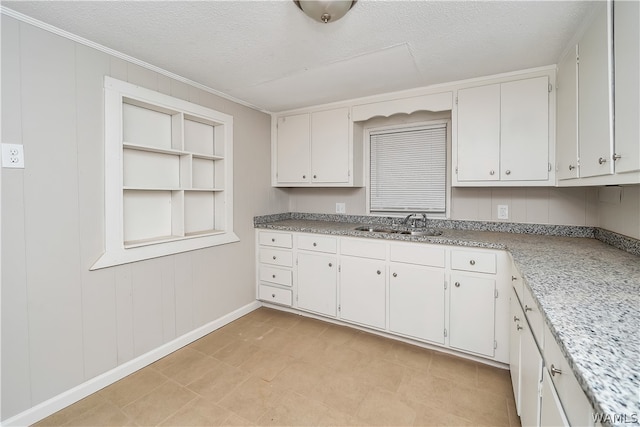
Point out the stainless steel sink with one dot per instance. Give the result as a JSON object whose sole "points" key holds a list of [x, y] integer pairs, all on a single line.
{"points": [[416, 232]]}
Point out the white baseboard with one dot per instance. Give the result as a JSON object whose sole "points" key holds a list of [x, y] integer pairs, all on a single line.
{"points": [[56, 403]]}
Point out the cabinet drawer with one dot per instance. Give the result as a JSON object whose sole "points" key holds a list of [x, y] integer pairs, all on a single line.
{"points": [[281, 240], [417, 253], [276, 257], [575, 403], [275, 295], [318, 243], [534, 317], [277, 275], [476, 261], [363, 248]]}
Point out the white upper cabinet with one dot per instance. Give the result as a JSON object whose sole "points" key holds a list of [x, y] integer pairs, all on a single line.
{"points": [[595, 96], [567, 124], [314, 149], [479, 133], [503, 134], [605, 150], [626, 25]]}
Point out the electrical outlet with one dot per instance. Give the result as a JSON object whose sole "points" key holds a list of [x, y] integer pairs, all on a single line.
{"points": [[503, 212], [12, 156], [341, 208]]}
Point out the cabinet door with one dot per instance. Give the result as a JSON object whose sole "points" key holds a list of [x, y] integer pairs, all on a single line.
{"points": [[524, 130], [567, 123], [317, 283], [517, 319], [531, 374], [362, 291], [416, 302], [330, 146], [595, 115], [626, 15], [293, 145], [551, 412], [478, 127], [472, 314]]}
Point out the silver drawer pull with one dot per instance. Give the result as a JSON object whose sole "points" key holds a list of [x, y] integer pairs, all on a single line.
{"points": [[472, 262], [514, 278], [515, 318], [519, 328], [527, 308], [555, 371]]}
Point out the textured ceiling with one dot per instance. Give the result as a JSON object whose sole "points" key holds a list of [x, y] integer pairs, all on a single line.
{"points": [[269, 54]]}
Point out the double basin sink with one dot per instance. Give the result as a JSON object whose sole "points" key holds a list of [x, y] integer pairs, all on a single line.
{"points": [[388, 230]]}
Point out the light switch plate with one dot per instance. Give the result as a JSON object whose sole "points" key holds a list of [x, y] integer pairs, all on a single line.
{"points": [[13, 156], [503, 212], [341, 208]]}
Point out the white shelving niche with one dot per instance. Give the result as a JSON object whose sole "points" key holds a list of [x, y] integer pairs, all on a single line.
{"points": [[168, 175]]}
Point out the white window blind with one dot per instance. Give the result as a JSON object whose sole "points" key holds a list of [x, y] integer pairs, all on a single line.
{"points": [[408, 170]]}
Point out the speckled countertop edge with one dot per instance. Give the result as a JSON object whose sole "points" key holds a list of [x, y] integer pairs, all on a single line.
{"points": [[606, 397]]}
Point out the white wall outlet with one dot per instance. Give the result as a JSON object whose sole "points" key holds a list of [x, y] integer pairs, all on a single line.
{"points": [[12, 156], [341, 208], [503, 212]]}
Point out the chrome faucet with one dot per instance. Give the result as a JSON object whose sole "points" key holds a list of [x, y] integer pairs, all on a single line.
{"points": [[413, 222]]}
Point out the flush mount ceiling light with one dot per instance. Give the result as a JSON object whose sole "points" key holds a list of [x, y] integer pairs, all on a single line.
{"points": [[325, 10]]}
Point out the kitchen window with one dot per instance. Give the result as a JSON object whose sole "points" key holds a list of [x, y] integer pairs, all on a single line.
{"points": [[408, 169]]}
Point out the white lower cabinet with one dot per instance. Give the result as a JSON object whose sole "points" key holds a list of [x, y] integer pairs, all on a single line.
{"points": [[515, 348], [530, 375], [317, 283], [472, 314], [363, 291], [417, 302], [400, 288], [551, 412]]}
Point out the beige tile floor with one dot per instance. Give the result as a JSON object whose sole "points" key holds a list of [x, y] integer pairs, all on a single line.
{"points": [[276, 368]]}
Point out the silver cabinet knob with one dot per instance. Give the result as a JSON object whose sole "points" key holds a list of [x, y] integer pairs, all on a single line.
{"points": [[508, 172], [395, 274], [516, 319], [616, 157], [602, 160], [513, 278], [457, 284], [472, 262], [304, 176], [274, 257], [273, 239], [273, 276], [527, 308], [555, 371], [379, 272], [315, 176], [330, 265], [571, 167], [492, 172], [519, 328], [315, 244], [273, 295]]}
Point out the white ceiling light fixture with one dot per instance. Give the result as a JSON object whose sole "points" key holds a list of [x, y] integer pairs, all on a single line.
{"points": [[325, 10]]}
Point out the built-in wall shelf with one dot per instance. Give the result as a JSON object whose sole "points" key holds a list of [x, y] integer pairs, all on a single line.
{"points": [[168, 175]]}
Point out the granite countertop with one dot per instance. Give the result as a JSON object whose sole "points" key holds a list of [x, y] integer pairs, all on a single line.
{"points": [[587, 290]]}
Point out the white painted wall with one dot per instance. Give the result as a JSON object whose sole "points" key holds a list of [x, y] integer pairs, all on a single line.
{"points": [[61, 323], [622, 215]]}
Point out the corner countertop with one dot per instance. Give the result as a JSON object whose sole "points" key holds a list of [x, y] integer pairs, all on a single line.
{"points": [[587, 290]]}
